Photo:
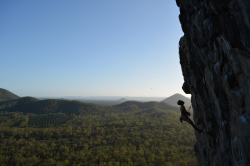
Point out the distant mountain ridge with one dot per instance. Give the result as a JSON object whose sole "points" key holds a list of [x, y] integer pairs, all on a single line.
{"points": [[36, 106], [174, 98], [80, 98], [122, 99], [12, 103], [150, 104], [51, 106], [6, 95]]}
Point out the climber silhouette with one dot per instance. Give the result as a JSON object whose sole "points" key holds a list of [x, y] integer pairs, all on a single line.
{"points": [[185, 114]]}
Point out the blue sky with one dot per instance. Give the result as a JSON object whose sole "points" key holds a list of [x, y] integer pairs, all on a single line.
{"points": [[90, 48]]}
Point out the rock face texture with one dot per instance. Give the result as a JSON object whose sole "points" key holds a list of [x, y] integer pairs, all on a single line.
{"points": [[215, 60]]}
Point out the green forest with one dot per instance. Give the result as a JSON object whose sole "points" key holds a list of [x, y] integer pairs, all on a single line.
{"points": [[63, 132]]}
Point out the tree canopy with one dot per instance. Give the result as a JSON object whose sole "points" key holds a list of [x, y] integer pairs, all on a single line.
{"points": [[75, 133]]}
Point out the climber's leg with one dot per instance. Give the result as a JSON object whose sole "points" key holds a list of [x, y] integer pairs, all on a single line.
{"points": [[192, 124], [187, 119]]}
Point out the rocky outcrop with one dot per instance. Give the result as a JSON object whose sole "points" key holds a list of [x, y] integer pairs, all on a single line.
{"points": [[215, 61]]}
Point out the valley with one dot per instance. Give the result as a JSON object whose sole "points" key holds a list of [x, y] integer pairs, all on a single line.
{"points": [[64, 132]]}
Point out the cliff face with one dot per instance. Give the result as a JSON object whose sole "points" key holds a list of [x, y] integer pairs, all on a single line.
{"points": [[215, 60]]}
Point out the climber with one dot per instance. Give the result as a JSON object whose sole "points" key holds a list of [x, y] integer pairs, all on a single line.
{"points": [[185, 114]]}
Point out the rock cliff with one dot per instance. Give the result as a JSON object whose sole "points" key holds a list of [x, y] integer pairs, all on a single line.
{"points": [[215, 61]]}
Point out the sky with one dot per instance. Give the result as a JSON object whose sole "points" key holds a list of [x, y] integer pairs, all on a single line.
{"points": [[90, 48]]}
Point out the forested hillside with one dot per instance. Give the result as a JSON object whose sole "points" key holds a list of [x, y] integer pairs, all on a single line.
{"points": [[6, 95], [146, 105], [35, 106], [61, 132]]}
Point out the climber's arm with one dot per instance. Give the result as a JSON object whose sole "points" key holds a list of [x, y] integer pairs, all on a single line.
{"points": [[184, 111]]}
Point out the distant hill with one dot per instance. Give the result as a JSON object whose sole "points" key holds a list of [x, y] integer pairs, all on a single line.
{"points": [[6, 95], [20, 102], [35, 106], [174, 98], [123, 99], [107, 98], [146, 105]]}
